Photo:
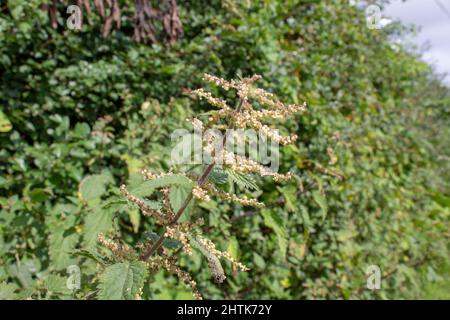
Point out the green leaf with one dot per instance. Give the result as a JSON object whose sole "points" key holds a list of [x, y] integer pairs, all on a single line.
{"points": [[57, 284], [61, 246], [168, 243], [290, 195], [442, 200], [305, 216], [98, 221], [135, 218], [93, 187], [322, 202], [7, 291], [177, 196], [146, 188], [218, 176], [122, 281], [39, 195], [273, 221], [81, 130], [90, 255], [243, 180], [5, 124], [259, 261]]}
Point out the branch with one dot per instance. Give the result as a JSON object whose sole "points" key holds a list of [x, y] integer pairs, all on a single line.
{"points": [[200, 182]]}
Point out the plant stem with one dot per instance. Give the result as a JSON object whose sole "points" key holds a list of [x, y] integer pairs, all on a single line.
{"points": [[200, 182]]}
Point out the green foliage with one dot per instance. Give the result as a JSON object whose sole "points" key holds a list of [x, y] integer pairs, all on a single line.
{"points": [[122, 281], [79, 115]]}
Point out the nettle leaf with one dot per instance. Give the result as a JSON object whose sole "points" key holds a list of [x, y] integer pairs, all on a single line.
{"points": [[122, 281], [243, 180], [93, 186], [91, 255], [177, 196], [146, 188], [273, 221], [168, 243], [218, 176], [320, 199], [61, 245], [99, 220], [57, 284], [7, 291]]}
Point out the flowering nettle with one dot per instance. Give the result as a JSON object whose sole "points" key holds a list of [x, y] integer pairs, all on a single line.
{"points": [[230, 141]]}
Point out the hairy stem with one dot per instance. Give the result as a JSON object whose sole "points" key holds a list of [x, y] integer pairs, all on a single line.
{"points": [[200, 182]]}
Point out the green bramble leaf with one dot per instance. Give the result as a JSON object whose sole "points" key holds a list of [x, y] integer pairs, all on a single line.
{"points": [[122, 281]]}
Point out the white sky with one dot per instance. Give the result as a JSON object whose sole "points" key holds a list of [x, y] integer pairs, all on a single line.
{"points": [[435, 28]]}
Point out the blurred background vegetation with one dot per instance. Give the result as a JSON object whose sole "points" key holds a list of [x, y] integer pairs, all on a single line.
{"points": [[82, 112]]}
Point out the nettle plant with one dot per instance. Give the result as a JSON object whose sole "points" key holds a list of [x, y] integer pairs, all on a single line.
{"points": [[168, 197]]}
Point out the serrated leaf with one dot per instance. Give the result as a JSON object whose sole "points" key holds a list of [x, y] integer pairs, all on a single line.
{"points": [[168, 243], [60, 247], [273, 221], [93, 187], [218, 176], [97, 221], [322, 202], [245, 181], [7, 291], [90, 255], [146, 188], [177, 196], [122, 281], [56, 284]]}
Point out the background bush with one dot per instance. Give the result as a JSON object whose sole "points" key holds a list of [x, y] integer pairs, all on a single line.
{"points": [[81, 114]]}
